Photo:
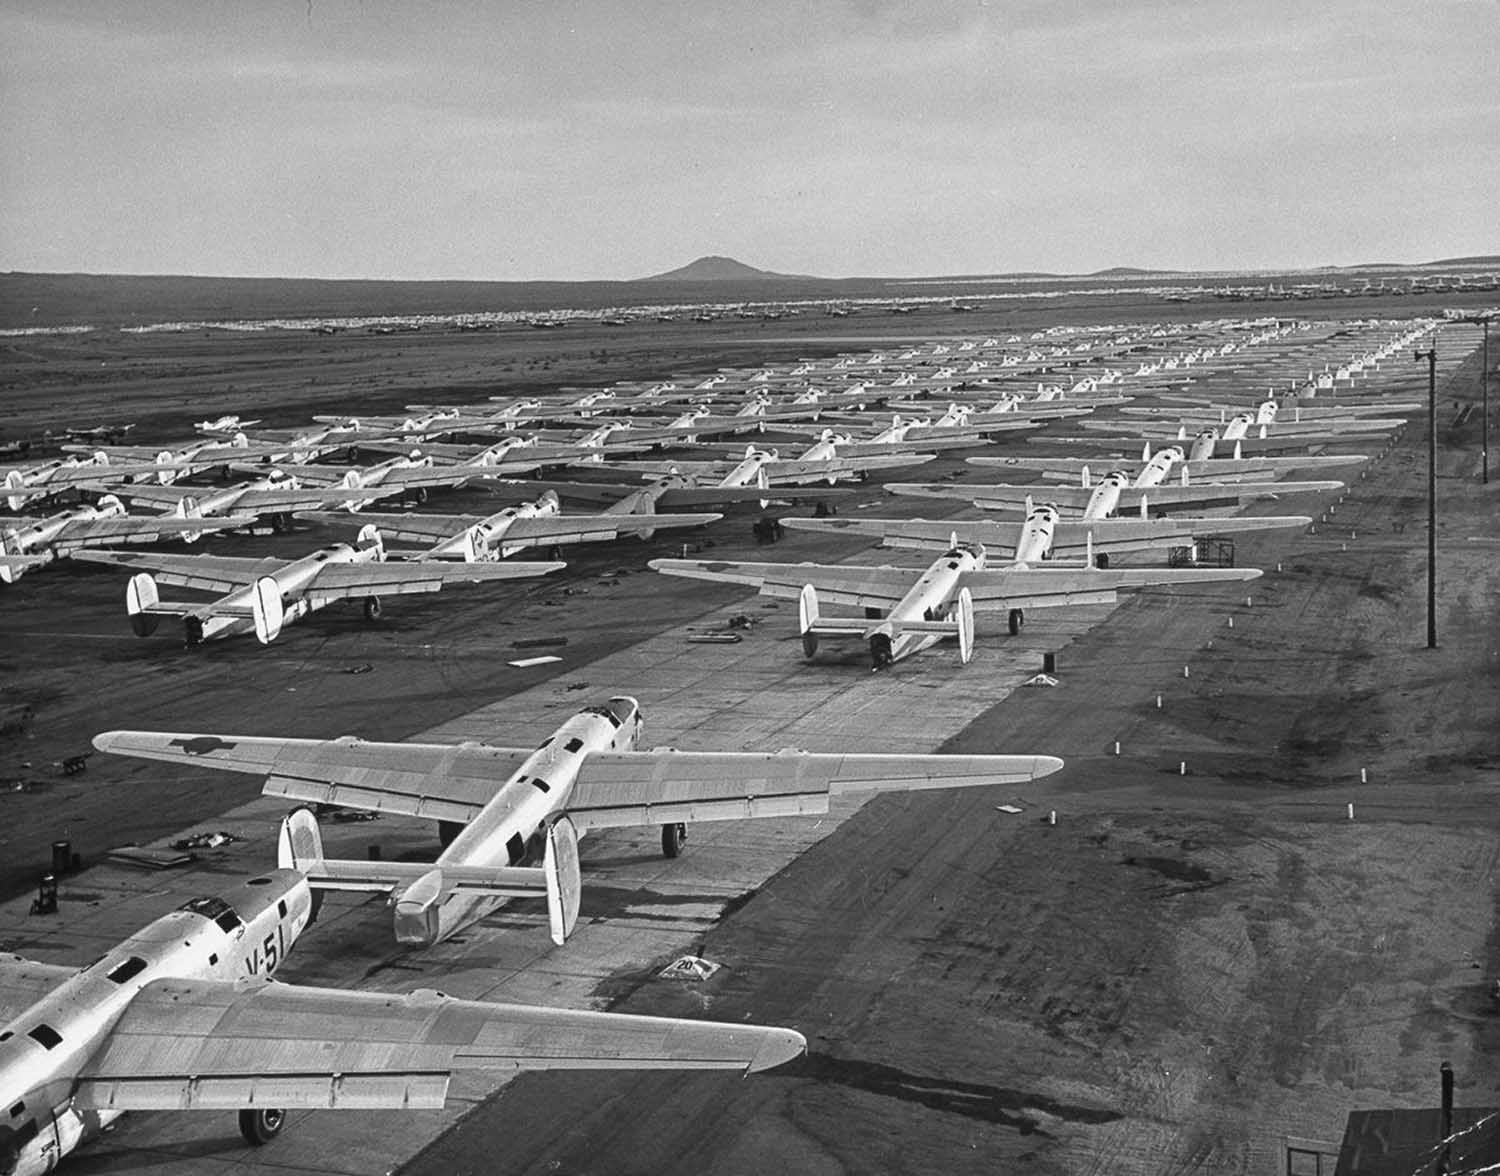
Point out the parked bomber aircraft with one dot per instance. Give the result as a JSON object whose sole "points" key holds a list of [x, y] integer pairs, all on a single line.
{"points": [[1044, 537], [31, 483], [27, 543], [412, 472], [1116, 493], [279, 495], [230, 423], [766, 467], [1169, 461], [183, 1015], [669, 490], [476, 538], [260, 596], [510, 817], [908, 609], [1198, 459]]}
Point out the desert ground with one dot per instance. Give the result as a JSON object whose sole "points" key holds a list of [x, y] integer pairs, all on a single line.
{"points": [[1203, 956]]}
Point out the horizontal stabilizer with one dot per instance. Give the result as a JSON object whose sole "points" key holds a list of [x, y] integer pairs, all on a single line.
{"points": [[495, 881]]}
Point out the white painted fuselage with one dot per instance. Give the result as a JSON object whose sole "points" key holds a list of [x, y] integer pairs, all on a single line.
{"points": [[511, 828], [47, 1047], [933, 596]]}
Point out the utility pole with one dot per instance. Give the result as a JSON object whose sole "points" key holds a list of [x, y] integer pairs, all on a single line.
{"points": [[1430, 355], [1484, 397]]}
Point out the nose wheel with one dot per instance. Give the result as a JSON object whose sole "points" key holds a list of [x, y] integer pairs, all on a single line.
{"points": [[261, 1126]]}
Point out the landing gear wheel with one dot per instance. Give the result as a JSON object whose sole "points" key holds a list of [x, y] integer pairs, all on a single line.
{"points": [[281, 523], [1101, 560], [1017, 619], [372, 608], [261, 1126], [447, 831], [672, 838]]}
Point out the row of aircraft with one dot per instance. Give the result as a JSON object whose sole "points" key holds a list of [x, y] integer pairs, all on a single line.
{"points": [[184, 1014]]}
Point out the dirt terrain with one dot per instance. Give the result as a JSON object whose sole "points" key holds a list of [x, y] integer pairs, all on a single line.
{"points": [[1185, 968]]}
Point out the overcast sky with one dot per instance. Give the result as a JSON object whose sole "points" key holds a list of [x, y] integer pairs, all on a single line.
{"points": [[522, 140]]}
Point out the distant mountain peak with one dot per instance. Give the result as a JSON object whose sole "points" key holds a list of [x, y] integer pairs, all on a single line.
{"points": [[718, 269]]}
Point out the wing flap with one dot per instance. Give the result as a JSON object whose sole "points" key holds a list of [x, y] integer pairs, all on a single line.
{"points": [[347, 1092]]}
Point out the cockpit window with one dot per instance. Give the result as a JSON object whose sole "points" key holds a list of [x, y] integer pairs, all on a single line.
{"points": [[216, 909], [605, 711]]}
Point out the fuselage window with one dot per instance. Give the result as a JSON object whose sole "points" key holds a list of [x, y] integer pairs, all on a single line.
{"points": [[131, 968]]}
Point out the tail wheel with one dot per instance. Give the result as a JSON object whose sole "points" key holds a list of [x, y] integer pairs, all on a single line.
{"points": [[261, 1126], [673, 837], [372, 608], [1017, 619]]}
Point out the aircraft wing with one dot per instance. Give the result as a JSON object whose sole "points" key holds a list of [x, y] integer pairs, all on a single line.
{"points": [[260, 501], [580, 528], [1042, 587], [406, 526], [335, 581], [207, 1044], [129, 529], [997, 497], [211, 573], [863, 587], [723, 495], [1073, 537], [920, 533], [795, 470], [24, 982], [445, 782], [633, 788]]}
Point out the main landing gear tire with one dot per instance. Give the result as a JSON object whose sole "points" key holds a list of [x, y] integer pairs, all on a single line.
{"points": [[1017, 619], [447, 831], [882, 656], [372, 608], [1101, 560], [281, 523], [259, 1127], [672, 838]]}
